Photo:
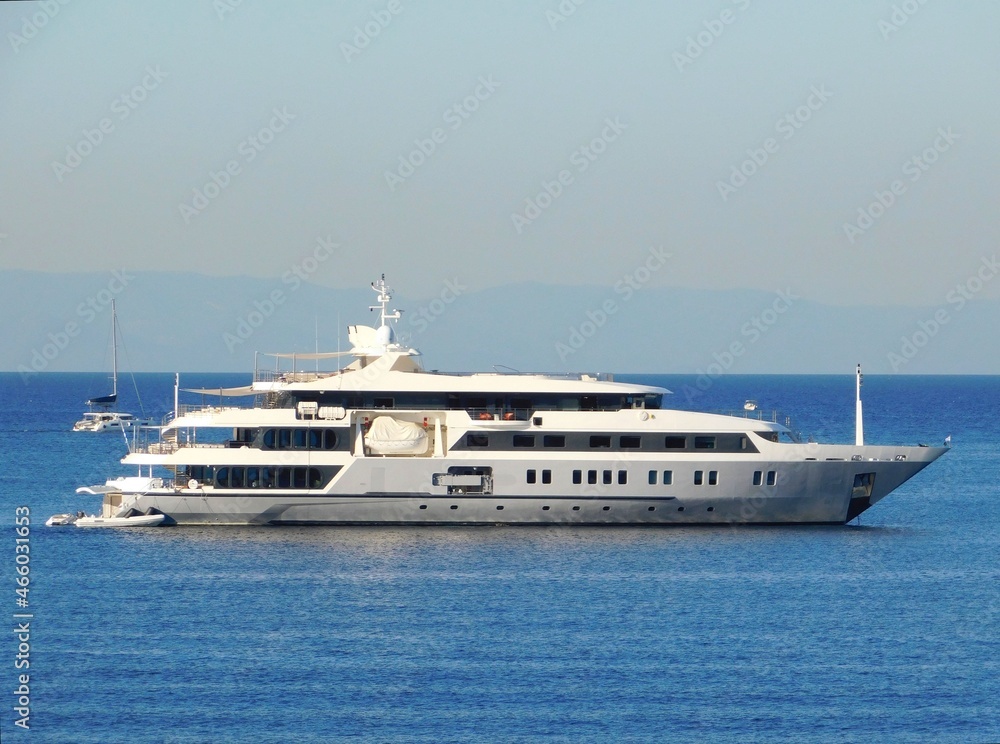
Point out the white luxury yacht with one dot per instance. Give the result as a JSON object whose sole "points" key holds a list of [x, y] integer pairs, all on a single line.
{"points": [[383, 441]]}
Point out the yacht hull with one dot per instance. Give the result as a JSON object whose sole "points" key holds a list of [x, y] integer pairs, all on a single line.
{"points": [[811, 491]]}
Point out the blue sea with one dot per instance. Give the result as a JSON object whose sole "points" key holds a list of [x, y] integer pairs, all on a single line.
{"points": [[883, 630]]}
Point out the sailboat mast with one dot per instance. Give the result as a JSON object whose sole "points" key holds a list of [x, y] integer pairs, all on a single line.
{"points": [[114, 350]]}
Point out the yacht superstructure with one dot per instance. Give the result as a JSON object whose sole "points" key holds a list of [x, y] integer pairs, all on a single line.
{"points": [[382, 441]]}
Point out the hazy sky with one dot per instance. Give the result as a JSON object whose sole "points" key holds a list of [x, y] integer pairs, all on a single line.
{"points": [[845, 151]]}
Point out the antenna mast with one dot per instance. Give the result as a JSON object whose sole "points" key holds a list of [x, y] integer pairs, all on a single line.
{"points": [[859, 428]]}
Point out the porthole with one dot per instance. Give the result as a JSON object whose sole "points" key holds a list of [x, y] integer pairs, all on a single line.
{"points": [[576, 508], [711, 508], [680, 508], [423, 506], [500, 507], [607, 508], [454, 506], [545, 508], [651, 508]]}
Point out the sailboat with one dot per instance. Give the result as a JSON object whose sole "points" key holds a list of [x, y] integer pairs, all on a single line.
{"points": [[104, 419]]}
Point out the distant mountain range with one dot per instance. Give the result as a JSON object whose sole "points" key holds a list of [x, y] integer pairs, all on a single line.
{"points": [[196, 323]]}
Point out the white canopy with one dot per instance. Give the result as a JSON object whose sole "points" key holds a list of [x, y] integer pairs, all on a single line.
{"points": [[245, 390], [307, 354]]}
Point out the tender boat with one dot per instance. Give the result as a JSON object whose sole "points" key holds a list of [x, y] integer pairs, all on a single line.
{"points": [[384, 441], [141, 520]]}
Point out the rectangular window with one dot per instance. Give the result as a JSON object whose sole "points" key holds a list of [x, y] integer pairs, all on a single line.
{"points": [[299, 475], [676, 443], [577, 477], [622, 477], [652, 477], [698, 477], [554, 440], [607, 477], [704, 442], [477, 440], [284, 477], [771, 477], [315, 478], [382, 403], [668, 477], [299, 438], [592, 477], [524, 440], [284, 438], [713, 477], [315, 439], [531, 476], [758, 477], [630, 442], [600, 440], [546, 476]]}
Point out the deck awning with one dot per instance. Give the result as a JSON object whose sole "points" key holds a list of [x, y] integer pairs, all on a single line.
{"points": [[308, 355], [222, 392]]}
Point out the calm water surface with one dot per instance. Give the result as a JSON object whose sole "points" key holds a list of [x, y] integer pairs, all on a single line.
{"points": [[887, 630]]}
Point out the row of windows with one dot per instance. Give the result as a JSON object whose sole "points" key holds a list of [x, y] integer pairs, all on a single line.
{"points": [[264, 476], [665, 477], [301, 439], [672, 442], [477, 401], [758, 477], [713, 477]]}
